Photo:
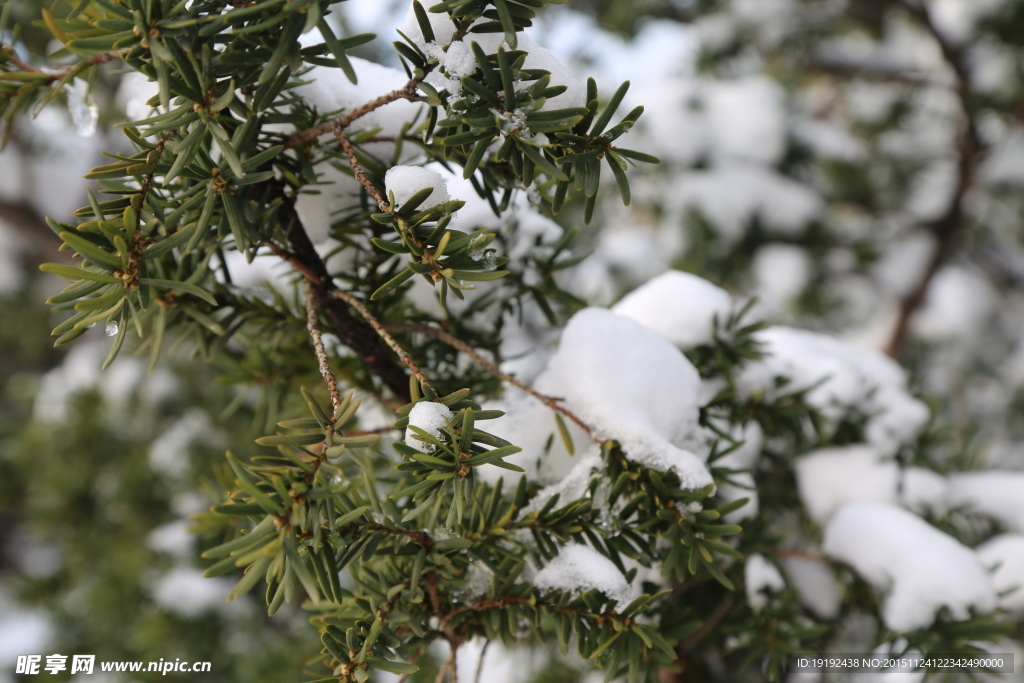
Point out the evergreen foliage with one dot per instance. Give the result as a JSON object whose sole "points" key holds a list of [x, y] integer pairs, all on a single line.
{"points": [[392, 546]]}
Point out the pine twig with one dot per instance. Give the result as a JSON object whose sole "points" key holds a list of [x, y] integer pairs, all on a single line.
{"points": [[313, 325], [441, 335], [408, 92], [379, 328], [346, 147]]}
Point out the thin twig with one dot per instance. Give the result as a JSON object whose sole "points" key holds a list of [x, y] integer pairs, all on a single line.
{"points": [[313, 325], [388, 339], [480, 664], [95, 60], [408, 92], [346, 146], [465, 348]]}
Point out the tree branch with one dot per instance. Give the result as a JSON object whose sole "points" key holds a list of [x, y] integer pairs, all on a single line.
{"points": [[388, 339], [313, 325], [354, 334], [947, 227], [465, 348], [409, 92], [346, 147]]}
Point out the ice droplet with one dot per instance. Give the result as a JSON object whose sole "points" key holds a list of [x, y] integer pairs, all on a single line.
{"points": [[82, 108], [111, 328]]}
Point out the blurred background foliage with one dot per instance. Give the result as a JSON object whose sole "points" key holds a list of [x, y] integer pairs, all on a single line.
{"points": [[856, 166]]}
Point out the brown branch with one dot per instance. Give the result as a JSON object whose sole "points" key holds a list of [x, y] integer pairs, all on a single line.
{"points": [[388, 339], [465, 348], [95, 60], [346, 147], [947, 227], [313, 325], [409, 92], [353, 333]]}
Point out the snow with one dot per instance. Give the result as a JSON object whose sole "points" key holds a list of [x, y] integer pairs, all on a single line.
{"points": [[735, 133], [957, 19], [22, 631], [903, 263], [169, 452], [124, 381], [816, 585], [847, 377], [932, 188], [919, 568], [405, 181], [996, 493], [573, 486], [679, 306], [730, 195], [1006, 551], [829, 478], [959, 302], [781, 272], [758, 575], [186, 592], [629, 384], [578, 569], [923, 490], [478, 581], [430, 417], [172, 538]]}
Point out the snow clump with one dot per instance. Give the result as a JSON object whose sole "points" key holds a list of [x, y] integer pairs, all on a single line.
{"points": [[631, 385], [430, 417], [578, 569], [759, 574], [829, 478], [840, 377], [1006, 554], [920, 568], [679, 306], [406, 181], [996, 493]]}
